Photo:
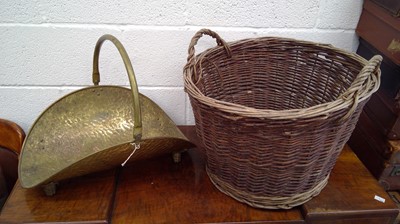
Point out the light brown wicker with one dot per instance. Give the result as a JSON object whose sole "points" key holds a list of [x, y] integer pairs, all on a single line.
{"points": [[274, 114]]}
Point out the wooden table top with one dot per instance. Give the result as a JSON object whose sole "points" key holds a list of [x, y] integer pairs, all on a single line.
{"points": [[159, 191]]}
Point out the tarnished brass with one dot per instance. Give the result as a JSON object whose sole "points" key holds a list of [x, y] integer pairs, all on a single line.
{"points": [[94, 129], [394, 46]]}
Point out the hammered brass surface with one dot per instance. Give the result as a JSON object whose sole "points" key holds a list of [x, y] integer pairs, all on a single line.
{"points": [[91, 130], [137, 130]]}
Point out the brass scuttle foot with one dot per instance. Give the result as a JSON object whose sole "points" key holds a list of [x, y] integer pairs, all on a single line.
{"points": [[177, 157], [50, 188]]}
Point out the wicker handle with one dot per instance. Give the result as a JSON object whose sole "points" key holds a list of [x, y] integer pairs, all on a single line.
{"points": [[362, 83], [198, 35], [137, 129]]}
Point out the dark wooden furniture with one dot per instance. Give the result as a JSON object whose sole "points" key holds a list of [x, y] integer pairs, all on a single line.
{"points": [[381, 29], [393, 6], [11, 135], [374, 139], [11, 139], [160, 191]]}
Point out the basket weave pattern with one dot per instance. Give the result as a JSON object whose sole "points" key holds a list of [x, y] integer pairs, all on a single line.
{"points": [[274, 113]]}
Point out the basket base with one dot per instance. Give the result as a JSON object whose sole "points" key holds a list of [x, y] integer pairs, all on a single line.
{"points": [[264, 201]]}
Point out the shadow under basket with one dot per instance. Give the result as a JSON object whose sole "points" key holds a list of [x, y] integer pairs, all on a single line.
{"points": [[274, 114]]}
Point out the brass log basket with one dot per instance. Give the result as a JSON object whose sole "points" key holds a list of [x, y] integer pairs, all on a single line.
{"points": [[96, 128]]}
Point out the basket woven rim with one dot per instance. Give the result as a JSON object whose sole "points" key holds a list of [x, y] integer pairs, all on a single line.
{"points": [[266, 202], [345, 100]]}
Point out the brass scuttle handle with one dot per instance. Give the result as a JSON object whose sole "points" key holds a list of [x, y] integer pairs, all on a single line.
{"points": [[137, 125]]}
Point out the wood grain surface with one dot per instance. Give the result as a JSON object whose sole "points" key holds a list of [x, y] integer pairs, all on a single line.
{"points": [[86, 199], [158, 190], [349, 196]]}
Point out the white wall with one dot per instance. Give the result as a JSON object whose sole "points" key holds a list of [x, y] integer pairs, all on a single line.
{"points": [[46, 46]]}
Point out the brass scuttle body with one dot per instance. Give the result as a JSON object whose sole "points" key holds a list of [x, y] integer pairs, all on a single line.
{"points": [[96, 128]]}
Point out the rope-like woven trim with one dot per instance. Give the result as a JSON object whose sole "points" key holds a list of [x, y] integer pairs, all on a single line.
{"points": [[264, 201], [366, 83]]}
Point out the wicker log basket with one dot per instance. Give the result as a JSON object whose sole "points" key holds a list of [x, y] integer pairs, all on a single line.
{"points": [[274, 114]]}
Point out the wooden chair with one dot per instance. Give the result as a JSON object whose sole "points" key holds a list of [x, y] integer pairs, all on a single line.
{"points": [[11, 139]]}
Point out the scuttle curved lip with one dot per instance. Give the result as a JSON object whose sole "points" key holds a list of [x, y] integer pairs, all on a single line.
{"points": [[176, 136]]}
